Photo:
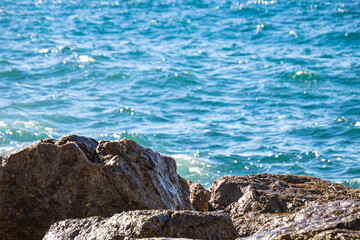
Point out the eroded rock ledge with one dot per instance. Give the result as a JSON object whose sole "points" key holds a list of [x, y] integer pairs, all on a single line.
{"points": [[78, 188]]}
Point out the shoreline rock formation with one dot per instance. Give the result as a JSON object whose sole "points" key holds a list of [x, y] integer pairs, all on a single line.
{"points": [[78, 188], [255, 201]]}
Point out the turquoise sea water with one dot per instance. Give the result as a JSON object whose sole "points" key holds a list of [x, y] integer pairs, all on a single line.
{"points": [[224, 87]]}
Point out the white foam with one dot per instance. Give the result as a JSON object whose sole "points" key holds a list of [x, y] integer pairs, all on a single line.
{"points": [[182, 157], [195, 170], [44, 50], [85, 58], [2, 124]]}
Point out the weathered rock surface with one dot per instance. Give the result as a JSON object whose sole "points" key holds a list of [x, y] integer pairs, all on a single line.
{"points": [[146, 224], [199, 196], [77, 177], [275, 192], [254, 201], [332, 220]]}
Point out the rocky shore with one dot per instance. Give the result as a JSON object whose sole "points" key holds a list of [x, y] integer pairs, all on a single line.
{"points": [[78, 188]]}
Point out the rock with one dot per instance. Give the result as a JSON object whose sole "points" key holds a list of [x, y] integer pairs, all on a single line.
{"points": [[146, 224], [77, 177], [164, 238], [253, 201], [278, 192], [334, 234], [87, 145], [332, 220], [199, 196]]}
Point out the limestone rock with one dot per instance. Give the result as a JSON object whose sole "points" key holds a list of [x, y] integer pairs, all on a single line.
{"points": [[146, 224], [77, 177]]}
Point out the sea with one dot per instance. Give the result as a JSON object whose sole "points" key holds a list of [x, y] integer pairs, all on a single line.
{"points": [[224, 87]]}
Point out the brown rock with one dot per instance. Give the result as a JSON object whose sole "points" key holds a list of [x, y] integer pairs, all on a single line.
{"points": [[253, 201], [76, 177], [278, 192], [146, 224], [199, 196]]}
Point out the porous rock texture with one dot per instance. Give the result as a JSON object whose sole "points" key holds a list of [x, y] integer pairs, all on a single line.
{"points": [[254, 201], [146, 224], [77, 177], [199, 196]]}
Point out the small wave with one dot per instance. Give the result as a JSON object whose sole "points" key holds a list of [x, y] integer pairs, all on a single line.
{"points": [[14, 74], [18, 134], [7, 149], [355, 183], [139, 138], [195, 169], [85, 58], [115, 76], [225, 78], [5, 62], [306, 76]]}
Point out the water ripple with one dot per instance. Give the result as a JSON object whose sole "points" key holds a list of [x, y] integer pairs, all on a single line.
{"points": [[224, 87]]}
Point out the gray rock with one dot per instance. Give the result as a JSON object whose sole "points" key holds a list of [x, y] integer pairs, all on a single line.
{"points": [[332, 220], [146, 224], [77, 177]]}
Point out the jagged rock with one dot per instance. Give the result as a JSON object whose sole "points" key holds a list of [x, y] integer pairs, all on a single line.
{"points": [[332, 220], [277, 192], [77, 177], [253, 200], [146, 224], [199, 196]]}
